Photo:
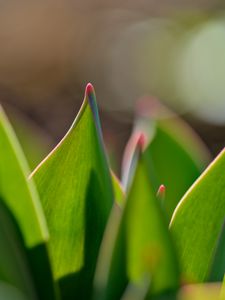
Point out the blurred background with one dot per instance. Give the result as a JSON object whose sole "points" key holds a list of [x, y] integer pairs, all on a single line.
{"points": [[173, 51]]}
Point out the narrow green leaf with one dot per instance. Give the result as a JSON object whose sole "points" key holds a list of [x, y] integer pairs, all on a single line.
{"points": [[34, 141], [14, 269], [21, 199], [200, 292], [174, 155], [75, 188], [161, 194], [174, 161], [106, 253], [222, 290], [218, 266], [14, 185], [134, 292], [143, 250], [9, 292], [119, 194], [197, 222], [147, 235]]}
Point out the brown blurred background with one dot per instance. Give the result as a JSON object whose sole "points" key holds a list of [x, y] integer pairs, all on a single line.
{"points": [[166, 49]]}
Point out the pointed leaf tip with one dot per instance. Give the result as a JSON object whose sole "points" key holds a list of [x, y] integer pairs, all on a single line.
{"points": [[161, 190], [141, 141], [91, 100], [89, 90], [161, 193]]}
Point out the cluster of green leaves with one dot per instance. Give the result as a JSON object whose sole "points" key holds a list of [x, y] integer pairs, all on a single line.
{"points": [[71, 231]]}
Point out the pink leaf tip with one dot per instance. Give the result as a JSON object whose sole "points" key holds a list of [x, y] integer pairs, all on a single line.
{"points": [[161, 192], [141, 141], [89, 89]]}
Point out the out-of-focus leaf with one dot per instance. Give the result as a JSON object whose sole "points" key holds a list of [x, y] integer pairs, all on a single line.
{"points": [[200, 292], [9, 292], [222, 290], [177, 159], [33, 140], [75, 188], [175, 156], [106, 252], [118, 190], [134, 292], [161, 194], [197, 222], [14, 268], [21, 199], [143, 250], [218, 266]]}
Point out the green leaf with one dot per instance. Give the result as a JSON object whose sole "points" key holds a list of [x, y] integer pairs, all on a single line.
{"points": [[200, 292], [14, 185], [134, 292], [21, 199], [197, 222], [222, 290], [174, 155], [119, 194], [106, 253], [14, 269], [143, 250], [218, 265], [9, 292], [33, 140], [75, 188]]}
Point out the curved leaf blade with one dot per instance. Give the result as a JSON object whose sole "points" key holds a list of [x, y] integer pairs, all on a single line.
{"points": [[9, 292], [14, 268], [197, 221], [65, 181], [21, 199], [173, 153], [119, 194], [14, 185], [143, 249], [174, 161]]}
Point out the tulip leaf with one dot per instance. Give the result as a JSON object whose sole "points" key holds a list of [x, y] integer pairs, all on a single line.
{"points": [[33, 140], [10, 292], [106, 252], [118, 190], [222, 290], [198, 221], [21, 199], [174, 155], [134, 292], [143, 251], [218, 266], [175, 148], [14, 185], [210, 291], [76, 192], [14, 268]]}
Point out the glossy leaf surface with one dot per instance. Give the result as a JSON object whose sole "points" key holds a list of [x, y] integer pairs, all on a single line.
{"points": [[143, 249], [75, 188], [14, 267], [198, 221], [19, 195], [21, 199]]}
